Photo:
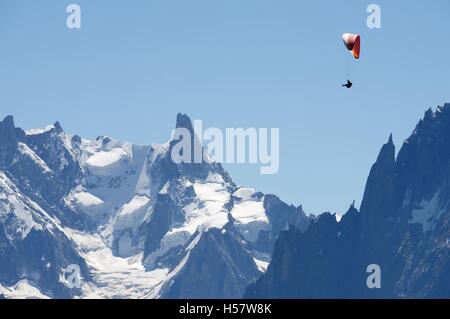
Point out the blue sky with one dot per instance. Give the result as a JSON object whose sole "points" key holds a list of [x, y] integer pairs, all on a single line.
{"points": [[256, 63]]}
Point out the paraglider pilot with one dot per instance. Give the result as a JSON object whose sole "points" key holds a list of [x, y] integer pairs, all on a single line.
{"points": [[348, 85]]}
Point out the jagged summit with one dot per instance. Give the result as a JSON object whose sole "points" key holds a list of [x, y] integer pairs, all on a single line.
{"points": [[7, 126], [58, 127], [387, 153], [9, 134], [184, 121], [8, 121]]}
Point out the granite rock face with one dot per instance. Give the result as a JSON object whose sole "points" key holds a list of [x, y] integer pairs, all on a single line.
{"points": [[403, 226]]}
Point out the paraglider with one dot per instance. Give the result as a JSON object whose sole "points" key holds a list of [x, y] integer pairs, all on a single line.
{"points": [[353, 43]]}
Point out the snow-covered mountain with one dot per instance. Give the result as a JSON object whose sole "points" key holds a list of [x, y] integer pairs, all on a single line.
{"points": [[137, 224], [403, 226]]}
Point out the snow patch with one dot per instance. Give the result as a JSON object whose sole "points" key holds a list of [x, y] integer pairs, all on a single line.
{"points": [[204, 212], [261, 264], [38, 131], [86, 203], [130, 216], [136, 203], [249, 213], [244, 193], [24, 213], [102, 162], [22, 290], [86, 199], [428, 213], [28, 152], [12, 202]]}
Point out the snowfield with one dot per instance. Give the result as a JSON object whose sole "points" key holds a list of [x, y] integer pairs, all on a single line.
{"points": [[114, 277], [101, 163], [249, 213], [22, 290]]}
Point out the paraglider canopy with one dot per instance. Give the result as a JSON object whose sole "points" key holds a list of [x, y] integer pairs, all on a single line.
{"points": [[352, 43]]}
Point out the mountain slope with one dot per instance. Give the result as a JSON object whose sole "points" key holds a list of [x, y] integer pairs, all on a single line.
{"points": [[129, 216], [33, 245]]}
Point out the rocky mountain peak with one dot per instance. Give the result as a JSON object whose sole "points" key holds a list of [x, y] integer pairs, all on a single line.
{"points": [[184, 121]]}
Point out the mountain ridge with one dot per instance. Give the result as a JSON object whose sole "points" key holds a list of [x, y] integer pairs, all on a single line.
{"points": [[127, 209], [402, 226]]}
